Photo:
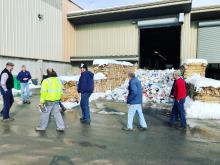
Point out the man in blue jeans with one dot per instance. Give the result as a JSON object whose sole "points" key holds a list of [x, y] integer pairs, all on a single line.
{"points": [[6, 85], [85, 87], [24, 76], [179, 93], [134, 102]]}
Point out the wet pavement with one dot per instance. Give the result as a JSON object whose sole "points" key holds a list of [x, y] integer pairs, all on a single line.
{"points": [[104, 143]]}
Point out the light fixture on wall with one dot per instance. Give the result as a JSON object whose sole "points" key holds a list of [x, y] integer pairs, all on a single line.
{"points": [[40, 17]]}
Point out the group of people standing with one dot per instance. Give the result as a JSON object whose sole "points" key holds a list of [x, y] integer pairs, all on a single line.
{"points": [[52, 90], [6, 86]]}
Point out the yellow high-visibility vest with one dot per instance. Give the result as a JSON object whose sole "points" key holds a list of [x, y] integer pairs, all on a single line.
{"points": [[51, 90]]}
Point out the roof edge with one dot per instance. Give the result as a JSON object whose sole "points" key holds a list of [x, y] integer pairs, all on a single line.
{"points": [[122, 8], [206, 8], [76, 4]]}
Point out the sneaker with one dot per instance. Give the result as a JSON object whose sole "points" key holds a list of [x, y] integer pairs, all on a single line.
{"points": [[126, 129], [8, 119], [24, 102], [142, 128], [81, 119], [39, 129], [60, 129]]}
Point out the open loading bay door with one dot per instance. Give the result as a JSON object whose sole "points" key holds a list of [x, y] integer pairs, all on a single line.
{"points": [[160, 42], [160, 48]]}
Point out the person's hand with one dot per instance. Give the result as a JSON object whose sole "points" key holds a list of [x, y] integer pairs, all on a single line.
{"points": [[41, 105], [25, 79]]}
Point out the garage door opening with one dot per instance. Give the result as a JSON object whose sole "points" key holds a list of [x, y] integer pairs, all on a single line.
{"points": [[160, 48]]}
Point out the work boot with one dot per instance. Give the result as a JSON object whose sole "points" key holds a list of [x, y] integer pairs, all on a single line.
{"points": [[8, 119], [60, 129], [39, 129], [182, 128], [127, 129], [28, 102], [142, 128], [87, 122]]}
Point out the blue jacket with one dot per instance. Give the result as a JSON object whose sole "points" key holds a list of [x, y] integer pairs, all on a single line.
{"points": [[22, 75], [86, 82], [135, 92]]}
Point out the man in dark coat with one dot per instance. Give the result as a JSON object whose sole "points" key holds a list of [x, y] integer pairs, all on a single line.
{"points": [[85, 87], [6, 85]]}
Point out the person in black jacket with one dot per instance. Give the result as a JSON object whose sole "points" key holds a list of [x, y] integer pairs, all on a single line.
{"points": [[6, 85], [85, 87]]}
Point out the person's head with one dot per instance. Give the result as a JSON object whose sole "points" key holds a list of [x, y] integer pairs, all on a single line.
{"points": [[23, 68], [176, 74], [83, 68], [131, 75], [51, 72], [9, 66]]}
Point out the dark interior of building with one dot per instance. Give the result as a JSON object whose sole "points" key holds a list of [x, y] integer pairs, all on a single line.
{"points": [[213, 71], [160, 48]]}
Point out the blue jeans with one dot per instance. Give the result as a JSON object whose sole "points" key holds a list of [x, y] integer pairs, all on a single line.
{"points": [[84, 103], [25, 92], [8, 100], [132, 109], [178, 109]]}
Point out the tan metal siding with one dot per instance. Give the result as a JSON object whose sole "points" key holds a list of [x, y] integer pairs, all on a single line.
{"points": [[23, 35], [107, 39], [68, 31], [188, 39]]}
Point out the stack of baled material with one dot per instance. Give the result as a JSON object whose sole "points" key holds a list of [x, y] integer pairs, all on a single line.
{"points": [[115, 71], [70, 93], [195, 66], [204, 89]]}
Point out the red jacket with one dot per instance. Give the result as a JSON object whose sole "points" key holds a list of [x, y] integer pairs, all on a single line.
{"points": [[179, 89]]}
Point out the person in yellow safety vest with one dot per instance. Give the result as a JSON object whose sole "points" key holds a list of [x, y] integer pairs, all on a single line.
{"points": [[51, 93]]}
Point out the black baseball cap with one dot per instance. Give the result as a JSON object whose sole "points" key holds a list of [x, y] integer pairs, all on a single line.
{"points": [[83, 66]]}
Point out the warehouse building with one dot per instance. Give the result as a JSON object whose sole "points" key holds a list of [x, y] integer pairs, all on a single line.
{"points": [[157, 35], [60, 34], [37, 33]]}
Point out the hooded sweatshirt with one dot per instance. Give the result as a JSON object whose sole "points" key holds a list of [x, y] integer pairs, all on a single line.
{"points": [[86, 82]]}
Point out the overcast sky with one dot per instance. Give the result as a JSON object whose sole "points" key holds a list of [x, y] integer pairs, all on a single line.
{"points": [[94, 4]]}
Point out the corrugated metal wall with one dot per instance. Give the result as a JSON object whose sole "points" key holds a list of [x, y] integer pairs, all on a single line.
{"points": [[68, 30], [107, 39], [208, 43], [188, 39], [22, 34]]}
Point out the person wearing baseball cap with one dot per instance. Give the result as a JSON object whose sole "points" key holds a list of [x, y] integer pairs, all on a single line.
{"points": [[85, 88], [6, 85]]}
